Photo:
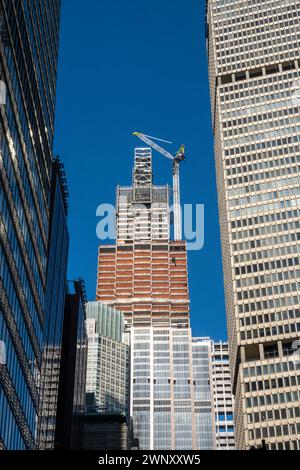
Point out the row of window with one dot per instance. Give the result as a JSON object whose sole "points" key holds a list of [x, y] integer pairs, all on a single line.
{"points": [[265, 230], [262, 160], [278, 382], [269, 369], [271, 253], [257, 88], [254, 210], [261, 117], [270, 317], [274, 415], [288, 238], [260, 197], [273, 399], [264, 137], [228, 113], [260, 127], [274, 431], [269, 304], [286, 169], [269, 291], [267, 266], [283, 142]]}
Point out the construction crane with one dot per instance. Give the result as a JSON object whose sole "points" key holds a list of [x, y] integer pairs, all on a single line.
{"points": [[179, 157]]}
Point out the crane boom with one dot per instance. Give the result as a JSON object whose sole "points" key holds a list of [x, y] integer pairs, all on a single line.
{"points": [[152, 144], [176, 181]]}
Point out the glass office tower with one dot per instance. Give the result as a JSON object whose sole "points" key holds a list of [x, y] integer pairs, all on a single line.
{"points": [[107, 381], [54, 307], [28, 64], [254, 60], [162, 389], [72, 373]]}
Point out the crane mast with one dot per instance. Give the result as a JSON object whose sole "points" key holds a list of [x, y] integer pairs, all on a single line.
{"points": [[176, 201], [176, 179]]}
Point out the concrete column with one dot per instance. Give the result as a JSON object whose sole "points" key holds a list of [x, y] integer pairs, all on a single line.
{"points": [[280, 351], [243, 354], [261, 352]]}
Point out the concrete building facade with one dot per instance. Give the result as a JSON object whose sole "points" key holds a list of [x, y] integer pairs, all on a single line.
{"points": [[253, 58]]}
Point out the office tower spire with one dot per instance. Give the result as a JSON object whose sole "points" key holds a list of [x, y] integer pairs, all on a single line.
{"points": [[253, 53]]}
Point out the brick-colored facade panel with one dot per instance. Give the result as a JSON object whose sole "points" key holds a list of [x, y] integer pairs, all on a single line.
{"points": [[145, 282]]}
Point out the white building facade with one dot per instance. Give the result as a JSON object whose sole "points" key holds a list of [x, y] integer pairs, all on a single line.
{"points": [[254, 72], [223, 397]]}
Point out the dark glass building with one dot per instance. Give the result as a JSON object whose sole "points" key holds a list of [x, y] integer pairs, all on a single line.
{"points": [[105, 431], [72, 379], [29, 32], [54, 307]]}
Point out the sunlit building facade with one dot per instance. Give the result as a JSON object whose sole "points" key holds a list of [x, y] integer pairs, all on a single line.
{"points": [[162, 383], [203, 393], [253, 58], [223, 400]]}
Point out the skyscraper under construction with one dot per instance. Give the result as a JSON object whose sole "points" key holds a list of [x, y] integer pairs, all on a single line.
{"points": [[144, 275]]}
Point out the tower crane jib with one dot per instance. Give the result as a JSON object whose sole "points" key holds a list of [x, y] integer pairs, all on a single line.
{"points": [[180, 156]]}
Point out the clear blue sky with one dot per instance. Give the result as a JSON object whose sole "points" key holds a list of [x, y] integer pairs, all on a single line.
{"points": [[130, 65]]}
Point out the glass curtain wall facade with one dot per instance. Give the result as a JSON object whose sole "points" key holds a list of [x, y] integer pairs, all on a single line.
{"points": [[28, 64], [72, 374], [107, 382], [203, 393], [54, 308], [162, 402], [253, 56]]}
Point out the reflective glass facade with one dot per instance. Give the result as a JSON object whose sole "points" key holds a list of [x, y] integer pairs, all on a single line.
{"points": [[108, 321], [107, 382], [203, 393], [54, 308], [172, 383], [254, 60], [163, 388], [28, 65], [72, 374]]}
